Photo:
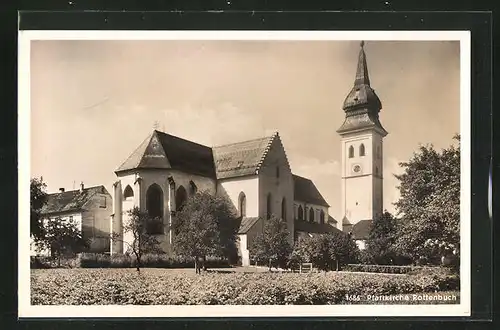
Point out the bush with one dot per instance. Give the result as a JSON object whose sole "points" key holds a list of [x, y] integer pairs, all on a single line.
{"points": [[94, 260], [160, 287], [43, 262]]}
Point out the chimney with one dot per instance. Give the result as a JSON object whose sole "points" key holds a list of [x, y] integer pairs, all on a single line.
{"points": [[81, 186], [61, 190]]}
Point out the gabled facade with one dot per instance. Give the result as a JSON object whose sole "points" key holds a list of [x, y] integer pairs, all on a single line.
{"points": [[254, 176], [90, 208]]}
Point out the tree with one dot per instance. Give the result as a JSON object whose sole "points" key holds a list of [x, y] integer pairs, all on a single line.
{"points": [[328, 251], [61, 237], [272, 246], [380, 247], [204, 227], [38, 198], [430, 203], [142, 241]]}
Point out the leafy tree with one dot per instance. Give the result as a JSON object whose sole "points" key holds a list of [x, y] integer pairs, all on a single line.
{"points": [[430, 202], [380, 248], [142, 241], [61, 237], [272, 246], [204, 227], [38, 198], [329, 251]]}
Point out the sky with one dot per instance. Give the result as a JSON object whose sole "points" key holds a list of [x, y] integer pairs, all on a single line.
{"points": [[94, 102]]}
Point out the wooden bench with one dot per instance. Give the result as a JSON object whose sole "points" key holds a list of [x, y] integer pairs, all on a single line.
{"points": [[306, 267]]}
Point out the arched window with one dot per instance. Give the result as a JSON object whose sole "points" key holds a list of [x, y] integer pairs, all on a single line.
{"points": [[269, 206], [322, 217], [362, 149], [311, 214], [242, 204], [283, 209], [301, 213], [128, 193], [154, 207], [192, 188], [277, 171], [351, 152], [180, 198]]}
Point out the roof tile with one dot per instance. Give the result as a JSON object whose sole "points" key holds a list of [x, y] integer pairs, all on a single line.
{"points": [[242, 158], [246, 223], [70, 201], [305, 191]]}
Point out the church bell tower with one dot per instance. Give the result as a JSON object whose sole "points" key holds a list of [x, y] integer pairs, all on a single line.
{"points": [[362, 137]]}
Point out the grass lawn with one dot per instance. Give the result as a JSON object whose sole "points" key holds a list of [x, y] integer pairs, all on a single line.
{"points": [[244, 286]]}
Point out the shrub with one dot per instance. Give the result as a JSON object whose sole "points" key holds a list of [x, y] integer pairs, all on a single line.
{"points": [[94, 260]]}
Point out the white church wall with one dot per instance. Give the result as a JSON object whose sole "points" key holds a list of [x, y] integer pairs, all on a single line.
{"points": [[317, 211], [249, 185], [159, 177]]}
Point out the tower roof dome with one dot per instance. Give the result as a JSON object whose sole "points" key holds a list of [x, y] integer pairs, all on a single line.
{"points": [[362, 104], [361, 94]]}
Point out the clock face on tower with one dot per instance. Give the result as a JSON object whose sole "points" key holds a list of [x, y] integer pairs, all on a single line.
{"points": [[356, 169]]}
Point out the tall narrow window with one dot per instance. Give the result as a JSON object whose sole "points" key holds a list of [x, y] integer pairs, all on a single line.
{"points": [[192, 188], [277, 171], [154, 206], [311, 214], [242, 204], [301, 213], [283, 209], [351, 152], [362, 149], [180, 198], [376, 170], [128, 193], [269, 206], [322, 217]]}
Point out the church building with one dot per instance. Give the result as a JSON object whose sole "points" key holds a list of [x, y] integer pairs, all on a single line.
{"points": [[362, 137], [255, 176]]}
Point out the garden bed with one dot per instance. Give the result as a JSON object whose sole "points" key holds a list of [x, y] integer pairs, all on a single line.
{"points": [[183, 287]]}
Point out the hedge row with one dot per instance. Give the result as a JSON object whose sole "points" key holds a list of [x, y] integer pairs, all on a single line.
{"points": [[96, 260], [381, 268], [160, 287]]}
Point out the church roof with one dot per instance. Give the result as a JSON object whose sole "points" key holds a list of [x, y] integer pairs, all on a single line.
{"points": [[70, 201], [361, 229], [246, 223], [241, 158], [314, 227], [362, 104], [164, 151], [331, 219], [305, 191]]}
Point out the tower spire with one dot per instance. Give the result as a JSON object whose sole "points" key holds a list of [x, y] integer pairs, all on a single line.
{"points": [[362, 105], [362, 77]]}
